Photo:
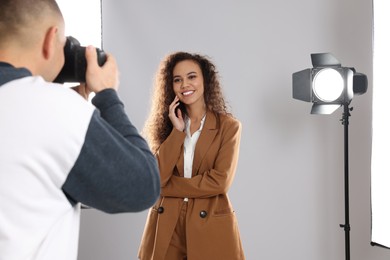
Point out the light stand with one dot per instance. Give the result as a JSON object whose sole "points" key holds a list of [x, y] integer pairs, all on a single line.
{"points": [[329, 86], [346, 226]]}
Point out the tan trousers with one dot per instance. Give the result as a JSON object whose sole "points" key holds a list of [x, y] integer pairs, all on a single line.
{"points": [[177, 249]]}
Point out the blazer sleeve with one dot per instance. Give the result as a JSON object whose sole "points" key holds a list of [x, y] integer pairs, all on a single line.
{"points": [[168, 155], [222, 158]]}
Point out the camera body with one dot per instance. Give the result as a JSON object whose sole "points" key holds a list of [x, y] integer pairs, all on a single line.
{"points": [[75, 65]]}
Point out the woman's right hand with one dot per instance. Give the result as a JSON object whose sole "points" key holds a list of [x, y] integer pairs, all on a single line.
{"points": [[176, 118]]}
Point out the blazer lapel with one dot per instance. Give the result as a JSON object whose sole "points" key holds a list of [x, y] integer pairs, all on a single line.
{"points": [[205, 140], [180, 163]]}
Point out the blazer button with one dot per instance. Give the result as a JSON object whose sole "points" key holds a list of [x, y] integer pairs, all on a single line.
{"points": [[203, 214], [160, 210]]}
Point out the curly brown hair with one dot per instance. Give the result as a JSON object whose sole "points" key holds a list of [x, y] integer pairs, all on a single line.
{"points": [[158, 125]]}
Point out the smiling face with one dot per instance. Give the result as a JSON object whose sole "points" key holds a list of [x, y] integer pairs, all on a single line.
{"points": [[188, 83]]}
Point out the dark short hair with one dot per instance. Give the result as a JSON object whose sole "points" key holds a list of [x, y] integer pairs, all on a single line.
{"points": [[17, 14]]}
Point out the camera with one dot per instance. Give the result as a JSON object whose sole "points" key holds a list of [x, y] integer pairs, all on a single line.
{"points": [[75, 65]]}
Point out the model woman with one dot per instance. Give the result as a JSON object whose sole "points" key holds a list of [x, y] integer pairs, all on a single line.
{"points": [[196, 141]]}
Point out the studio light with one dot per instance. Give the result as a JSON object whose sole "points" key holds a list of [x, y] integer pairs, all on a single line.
{"points": [[329, 86]]}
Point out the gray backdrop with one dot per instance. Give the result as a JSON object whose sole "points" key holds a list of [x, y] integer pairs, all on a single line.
{"points": [[288, 191]]}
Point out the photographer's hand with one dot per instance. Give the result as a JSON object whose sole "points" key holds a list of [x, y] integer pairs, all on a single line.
{"points": [[82, 90], [100, 78]]}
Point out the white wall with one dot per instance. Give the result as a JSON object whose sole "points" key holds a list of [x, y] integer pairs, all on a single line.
{"points": [[288, 191]]}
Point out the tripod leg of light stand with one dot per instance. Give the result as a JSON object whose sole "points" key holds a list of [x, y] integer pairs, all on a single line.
{"points": [[346, 226]]}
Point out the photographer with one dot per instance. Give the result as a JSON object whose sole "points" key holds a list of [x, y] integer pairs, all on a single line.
{"points": [[56, 149]]}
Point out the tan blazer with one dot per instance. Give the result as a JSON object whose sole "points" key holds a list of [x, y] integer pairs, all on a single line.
{"points": [[212, 229]]}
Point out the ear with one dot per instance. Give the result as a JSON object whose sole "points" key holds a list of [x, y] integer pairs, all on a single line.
{"points": [[49, 41]]}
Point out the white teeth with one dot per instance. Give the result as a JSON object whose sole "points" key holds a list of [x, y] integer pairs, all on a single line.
{"points": [[187, 93]]}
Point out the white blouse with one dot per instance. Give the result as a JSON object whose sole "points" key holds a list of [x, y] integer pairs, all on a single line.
{"points": [[189, 147]]}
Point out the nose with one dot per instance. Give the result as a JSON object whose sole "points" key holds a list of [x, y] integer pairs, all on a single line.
{"points": [[184, 84]]}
